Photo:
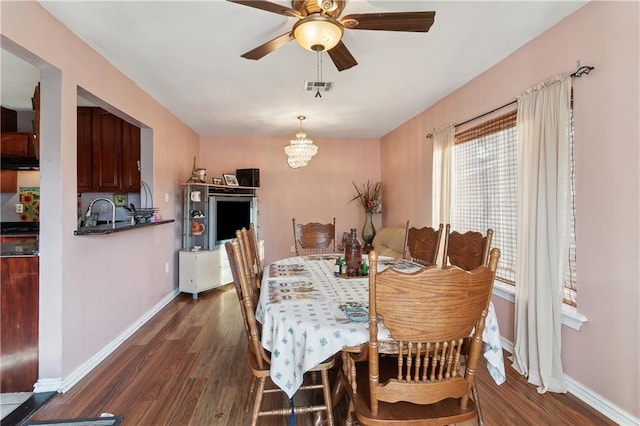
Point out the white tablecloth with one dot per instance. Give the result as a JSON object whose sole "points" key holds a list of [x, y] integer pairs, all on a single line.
{"points": [[309, 315]]}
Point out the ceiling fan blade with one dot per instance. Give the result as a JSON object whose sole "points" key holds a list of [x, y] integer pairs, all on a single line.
{"points": [[268, 47], [394, 21], [341, 57], [269, 7]]}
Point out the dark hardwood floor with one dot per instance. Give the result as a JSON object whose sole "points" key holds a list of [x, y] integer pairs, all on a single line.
{"points": [[187, 366]]}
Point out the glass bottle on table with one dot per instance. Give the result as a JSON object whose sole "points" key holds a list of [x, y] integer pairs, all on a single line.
{"points": [[353, 254]]}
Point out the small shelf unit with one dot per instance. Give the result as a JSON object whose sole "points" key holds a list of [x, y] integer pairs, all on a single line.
{"points": [[202, 264]]}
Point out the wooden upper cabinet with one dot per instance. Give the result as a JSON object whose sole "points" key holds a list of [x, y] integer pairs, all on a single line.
{"points": [[130, 157], [18, 144], [84, 149], [108, 152], [9, 181], [8, 120]]}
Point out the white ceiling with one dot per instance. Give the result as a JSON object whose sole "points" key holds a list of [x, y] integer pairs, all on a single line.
{"points": [[186, 54]]}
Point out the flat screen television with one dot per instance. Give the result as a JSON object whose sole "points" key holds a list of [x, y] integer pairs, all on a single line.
{"points": [[227, 214]]}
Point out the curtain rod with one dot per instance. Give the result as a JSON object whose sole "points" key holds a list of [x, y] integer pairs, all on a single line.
{"points": [[577, 74]]}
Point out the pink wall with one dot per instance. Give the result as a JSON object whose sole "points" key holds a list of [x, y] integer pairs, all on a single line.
{"points": [[93, 288], [315, 193], [605, 35]]}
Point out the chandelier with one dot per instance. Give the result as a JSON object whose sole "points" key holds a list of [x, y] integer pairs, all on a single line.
{"points": [[301, 149]]}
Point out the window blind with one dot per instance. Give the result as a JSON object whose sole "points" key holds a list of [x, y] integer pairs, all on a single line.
{"points": [[484, 192], [484, 186]]}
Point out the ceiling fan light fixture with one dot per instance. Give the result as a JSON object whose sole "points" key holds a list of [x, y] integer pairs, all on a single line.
{"points": [[317, 32], [301, 149]]}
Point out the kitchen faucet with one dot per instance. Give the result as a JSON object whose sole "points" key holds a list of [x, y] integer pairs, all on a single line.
{"points": [[113, 209]]}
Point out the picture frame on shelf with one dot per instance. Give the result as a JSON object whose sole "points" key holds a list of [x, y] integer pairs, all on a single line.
{"points": [[217, 181], [230, 180]]}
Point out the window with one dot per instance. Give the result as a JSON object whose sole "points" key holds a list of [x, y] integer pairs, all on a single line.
{"points": [[484, 192]]}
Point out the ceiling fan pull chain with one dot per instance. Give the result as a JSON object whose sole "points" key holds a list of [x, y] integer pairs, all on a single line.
{"points": [[319, 72]]}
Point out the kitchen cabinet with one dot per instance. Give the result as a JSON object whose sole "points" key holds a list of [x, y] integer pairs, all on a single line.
{"points": [[108, 152], [9, 181], [18, 144], [130, 157], [19, 323], [8, 120], [84, 150]]}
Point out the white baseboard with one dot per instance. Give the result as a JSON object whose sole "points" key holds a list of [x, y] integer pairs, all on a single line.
{"points": [[59, 385], [601, 404], [47, 385], [589, 397]]}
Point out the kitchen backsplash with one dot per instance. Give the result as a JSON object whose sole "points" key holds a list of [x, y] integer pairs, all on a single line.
{"points": [[30, 200], [27, 180]]}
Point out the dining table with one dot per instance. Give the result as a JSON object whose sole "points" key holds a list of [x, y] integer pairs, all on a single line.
{"points": [[309, 314]]}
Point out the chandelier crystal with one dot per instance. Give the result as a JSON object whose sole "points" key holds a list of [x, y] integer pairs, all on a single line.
{"points": [[301, 149]]}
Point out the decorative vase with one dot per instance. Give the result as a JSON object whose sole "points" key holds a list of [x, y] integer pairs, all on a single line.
{"points": [[368, 230]]}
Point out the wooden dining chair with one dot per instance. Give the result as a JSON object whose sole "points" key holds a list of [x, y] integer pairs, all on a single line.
{"points": [[254, 241], [248, 263], [467, 251], [428, 314], [259, 359], [249, 244], [422, 245], [314, 237]]}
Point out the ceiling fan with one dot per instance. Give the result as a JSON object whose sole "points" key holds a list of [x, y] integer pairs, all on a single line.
{"points": [[319, 27]]}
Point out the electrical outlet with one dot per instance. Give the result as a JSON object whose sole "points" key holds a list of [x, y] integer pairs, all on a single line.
{"points": [[166, 268], [103, 208], [19, 208], [293, 249], [166, 197]]}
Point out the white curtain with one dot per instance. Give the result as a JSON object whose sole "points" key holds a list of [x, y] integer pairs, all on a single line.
{"points": [[542, 237], [442, 175], [442, 178]]}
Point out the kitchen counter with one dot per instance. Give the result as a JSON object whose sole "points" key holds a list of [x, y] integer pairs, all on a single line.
{"points": [[120, 226]]}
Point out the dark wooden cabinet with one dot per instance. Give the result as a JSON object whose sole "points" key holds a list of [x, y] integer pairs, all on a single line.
{"points": [[130, 157], [108, 152], [8, 181], [19, 323], [18, 144], [84, 150], [8, 120]]}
